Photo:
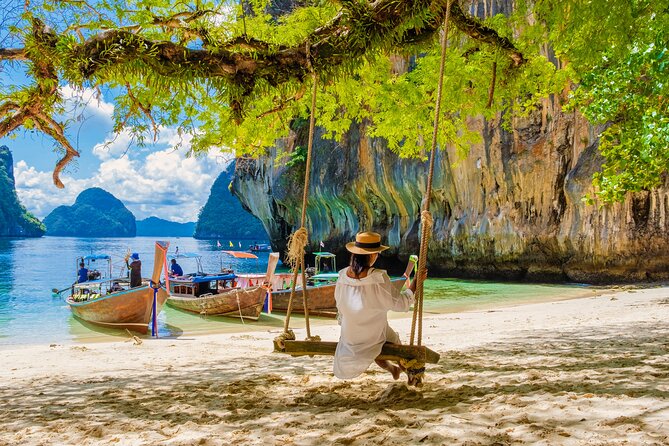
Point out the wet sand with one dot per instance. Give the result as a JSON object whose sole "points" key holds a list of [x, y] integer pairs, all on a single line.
{"points": [[592, 370]]}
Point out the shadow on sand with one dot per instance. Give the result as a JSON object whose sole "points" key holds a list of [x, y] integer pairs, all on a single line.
{"points": [[525, 383]]}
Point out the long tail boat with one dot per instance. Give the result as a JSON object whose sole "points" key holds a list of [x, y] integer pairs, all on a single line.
{"points": [[208, 294], [321, 290], [321, 296], [109, 304]]}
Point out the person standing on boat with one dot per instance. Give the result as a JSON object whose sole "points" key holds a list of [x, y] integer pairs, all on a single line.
{"points": [[176, 269], [364, 295], [83, 273], [135, 268]]}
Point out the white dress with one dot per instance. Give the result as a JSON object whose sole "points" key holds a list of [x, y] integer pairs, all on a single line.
{"points": [[363, 306]]}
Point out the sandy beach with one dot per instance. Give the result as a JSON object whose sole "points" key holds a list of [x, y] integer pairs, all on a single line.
{"points": [[589, 371]]}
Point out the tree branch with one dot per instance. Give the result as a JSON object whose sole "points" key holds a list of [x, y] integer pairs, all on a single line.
{"points": [[242, 62], [13, 54], [52, 128], [283, 104], [146, 110]]}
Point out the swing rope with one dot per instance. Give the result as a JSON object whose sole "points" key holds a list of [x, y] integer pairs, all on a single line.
{"points": [[300, 238], [415, 369]]}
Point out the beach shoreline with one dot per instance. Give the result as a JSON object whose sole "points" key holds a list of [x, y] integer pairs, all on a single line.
{"points": [[185, 324], [581, 371]]}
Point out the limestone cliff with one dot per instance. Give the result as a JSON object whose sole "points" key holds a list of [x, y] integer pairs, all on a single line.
{"points": [[222, 217], [95, 213], [15, 220], [158, 227], [511, 209]]}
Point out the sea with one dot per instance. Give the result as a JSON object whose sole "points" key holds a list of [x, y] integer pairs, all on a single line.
{"points": [[30, 268]]}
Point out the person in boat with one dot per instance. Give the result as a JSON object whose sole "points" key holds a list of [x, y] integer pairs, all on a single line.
{"points": [[135, 268], [116, 287], [175, 269], [82, 273], [223, 286], [364, 295]]}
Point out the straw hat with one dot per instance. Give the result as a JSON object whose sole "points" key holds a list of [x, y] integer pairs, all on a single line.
{"points": [[366, 243]]}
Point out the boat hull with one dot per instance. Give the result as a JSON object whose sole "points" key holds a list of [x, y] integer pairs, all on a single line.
{"points": [[245, 303], [321, 300], [129, 309]]}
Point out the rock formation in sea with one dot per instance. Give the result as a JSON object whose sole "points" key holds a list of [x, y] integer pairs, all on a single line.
{"points": [[154, 226], [511, 209], [95, 213], [15, 220], [224, 217]]}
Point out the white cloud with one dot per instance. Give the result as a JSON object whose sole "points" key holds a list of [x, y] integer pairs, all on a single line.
{"points": [[166, 183], [113, 147], [37, 192], [86, 102]]}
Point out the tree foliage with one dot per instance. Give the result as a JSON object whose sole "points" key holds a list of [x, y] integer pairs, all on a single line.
{"points": [[234, 75]]}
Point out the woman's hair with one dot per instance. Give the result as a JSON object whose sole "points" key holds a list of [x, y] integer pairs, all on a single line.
{"points": [[359, 263]]}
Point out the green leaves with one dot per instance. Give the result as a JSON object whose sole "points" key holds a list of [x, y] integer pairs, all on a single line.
{"points": [[625, 88], [224, 88]]}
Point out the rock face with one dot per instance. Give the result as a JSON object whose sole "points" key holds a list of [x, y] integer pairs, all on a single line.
{"points": [[154, 226], [224, 217], [511, 209], [95, 213], [15, 220]]}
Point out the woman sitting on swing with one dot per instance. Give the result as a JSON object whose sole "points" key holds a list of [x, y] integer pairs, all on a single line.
{"points": [[364, 296]]}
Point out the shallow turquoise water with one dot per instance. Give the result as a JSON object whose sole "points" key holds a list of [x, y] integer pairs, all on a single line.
{"points": [[30, 268]]}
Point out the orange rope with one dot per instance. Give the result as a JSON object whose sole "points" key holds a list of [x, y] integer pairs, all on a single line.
{"points": [[299, 264], [426, 217]]}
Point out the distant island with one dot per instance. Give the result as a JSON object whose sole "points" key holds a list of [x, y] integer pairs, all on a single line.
{"points": [[224, 217], [95, 213], [15, 220], [154, 226]]}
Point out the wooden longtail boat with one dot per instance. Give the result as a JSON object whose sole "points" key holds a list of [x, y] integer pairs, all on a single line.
{"points": [[321, 298], [279, 282], [101, 302], [205, 294], [244, 303]]}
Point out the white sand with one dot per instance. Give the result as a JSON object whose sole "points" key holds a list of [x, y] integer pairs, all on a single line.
{"points": [[586, 371]]}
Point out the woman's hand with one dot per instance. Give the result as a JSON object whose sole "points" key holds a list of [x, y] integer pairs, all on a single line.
{"points": [[422, 274]]}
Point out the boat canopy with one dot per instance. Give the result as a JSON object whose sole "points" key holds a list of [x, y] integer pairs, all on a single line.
{"points": [[97, 257], [206, 278], [325, 255], [90, 283], [241, 254]]}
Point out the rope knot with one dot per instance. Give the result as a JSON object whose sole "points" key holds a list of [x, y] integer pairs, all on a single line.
{"points": [[296, 243], [280, 341], [427, 221], [415, 371]]}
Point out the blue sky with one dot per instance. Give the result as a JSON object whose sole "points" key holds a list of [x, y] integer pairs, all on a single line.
{"points": [[153, 180]]}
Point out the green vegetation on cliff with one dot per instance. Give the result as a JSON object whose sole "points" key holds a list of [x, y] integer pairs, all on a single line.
{"points": [[224, 217], [15, 220], [234, 77], [154, 226], [95, 213]]}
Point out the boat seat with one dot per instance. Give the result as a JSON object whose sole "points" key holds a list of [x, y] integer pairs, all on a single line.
{"points": [[391, 352]]}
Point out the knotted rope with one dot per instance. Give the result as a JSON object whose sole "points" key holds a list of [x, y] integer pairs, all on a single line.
{"points": [[300, 238], [426, 216]]}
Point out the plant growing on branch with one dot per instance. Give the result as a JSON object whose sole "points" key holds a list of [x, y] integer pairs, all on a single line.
{"points": [[234, 75]]}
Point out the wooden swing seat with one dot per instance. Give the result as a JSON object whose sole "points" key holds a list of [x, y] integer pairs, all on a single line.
{"points": [[390, 352]]}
